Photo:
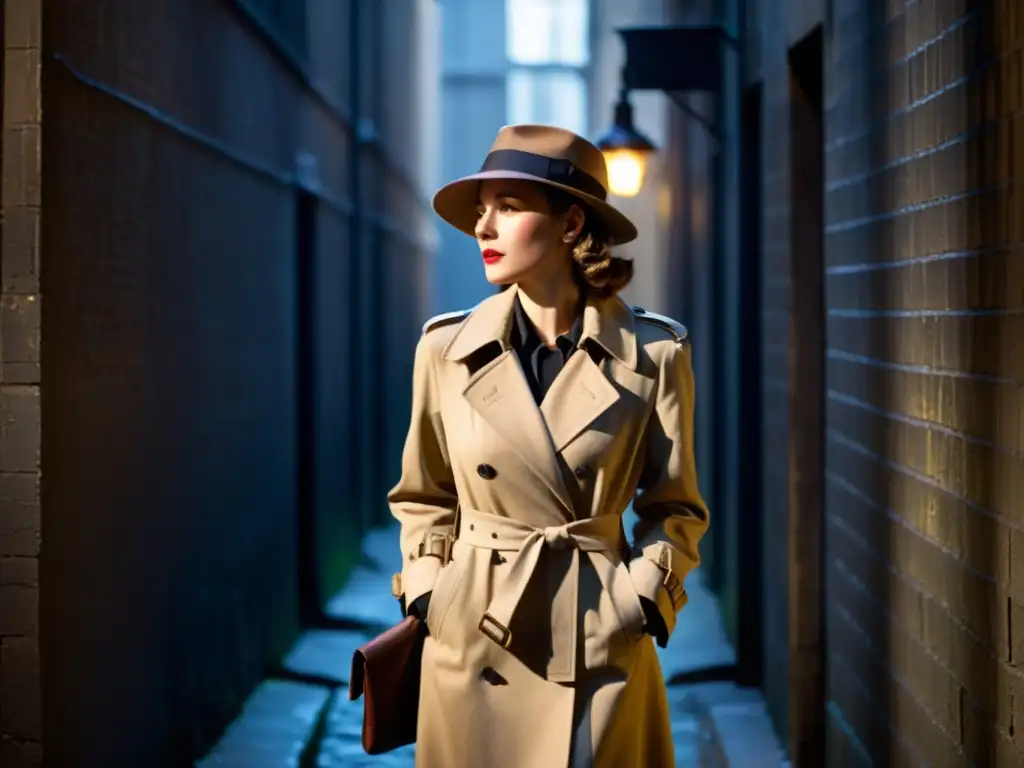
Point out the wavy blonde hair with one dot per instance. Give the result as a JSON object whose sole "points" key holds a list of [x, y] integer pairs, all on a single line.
{"points": [[594, 266]]}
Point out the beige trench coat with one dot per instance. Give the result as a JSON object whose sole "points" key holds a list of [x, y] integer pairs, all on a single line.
{"points": [[537, 656]]}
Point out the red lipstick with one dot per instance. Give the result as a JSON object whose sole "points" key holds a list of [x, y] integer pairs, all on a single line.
{"points": [[492, 256]]}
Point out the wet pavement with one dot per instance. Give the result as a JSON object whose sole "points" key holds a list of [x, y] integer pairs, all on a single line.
{"points": [[302, 717]]}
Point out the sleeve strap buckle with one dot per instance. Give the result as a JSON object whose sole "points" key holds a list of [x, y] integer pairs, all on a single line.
{"points": [[437, 545]]}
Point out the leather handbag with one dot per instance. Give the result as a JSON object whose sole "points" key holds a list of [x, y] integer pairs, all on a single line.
{"points": [[387, 671]]}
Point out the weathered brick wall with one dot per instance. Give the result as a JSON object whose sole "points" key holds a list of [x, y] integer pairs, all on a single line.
{"points": [[924, 292], [923, 495], [173, 539], [20, 522]]}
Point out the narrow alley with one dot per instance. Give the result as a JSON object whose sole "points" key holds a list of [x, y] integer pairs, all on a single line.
{"points": [[218, 251]]}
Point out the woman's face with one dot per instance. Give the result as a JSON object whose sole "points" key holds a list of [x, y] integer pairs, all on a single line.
{"points": [[518, 234]]}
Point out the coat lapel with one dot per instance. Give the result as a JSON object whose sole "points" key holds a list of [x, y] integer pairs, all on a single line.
{"points": [[499, 393], [579, 395], [582, 391], [612, 326]]}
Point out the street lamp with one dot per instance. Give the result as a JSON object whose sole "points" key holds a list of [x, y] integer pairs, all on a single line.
{"points": [[671, 59], [625, 151]]}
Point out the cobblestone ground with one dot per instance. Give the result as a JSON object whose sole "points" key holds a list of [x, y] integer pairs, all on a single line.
{"points": [[341, 746], [303, 716]]}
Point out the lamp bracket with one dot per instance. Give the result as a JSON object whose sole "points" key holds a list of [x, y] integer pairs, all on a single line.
{"points": [[705, 122]]}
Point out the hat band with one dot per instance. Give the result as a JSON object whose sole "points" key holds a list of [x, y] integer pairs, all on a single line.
{"points": [[556, 170]]}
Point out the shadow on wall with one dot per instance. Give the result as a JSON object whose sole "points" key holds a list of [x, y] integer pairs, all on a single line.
{"points": [[987, 353]]}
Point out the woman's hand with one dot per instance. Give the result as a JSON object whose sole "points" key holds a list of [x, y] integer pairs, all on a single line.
{"points": [[419, 608], [654, 624]]}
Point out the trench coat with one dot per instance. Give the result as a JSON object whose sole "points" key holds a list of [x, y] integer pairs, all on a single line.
{"points": [[537, 654]]}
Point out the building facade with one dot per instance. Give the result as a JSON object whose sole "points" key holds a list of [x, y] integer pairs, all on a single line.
{"points": [[892, 287], [215, 258], [864, 435]]}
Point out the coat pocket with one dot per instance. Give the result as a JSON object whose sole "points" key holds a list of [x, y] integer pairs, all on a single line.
{"points": [[613, 620], [626, 601], [442, 598]]}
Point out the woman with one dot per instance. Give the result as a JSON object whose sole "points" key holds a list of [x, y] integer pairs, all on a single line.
{"points": [[536, 418]]}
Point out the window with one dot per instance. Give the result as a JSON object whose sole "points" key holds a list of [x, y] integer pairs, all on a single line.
{"points": [[549, 97], [548, 48], [547, 31]]}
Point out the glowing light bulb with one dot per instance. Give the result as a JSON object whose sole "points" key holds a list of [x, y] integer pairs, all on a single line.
{"points": [[626, 168]]}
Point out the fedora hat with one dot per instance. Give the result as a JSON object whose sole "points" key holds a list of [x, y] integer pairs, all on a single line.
{"points": [[544, 154]]}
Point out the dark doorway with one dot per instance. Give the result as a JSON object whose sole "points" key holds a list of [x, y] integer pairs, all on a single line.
{"points": [[807, 404], [749, 637], [306, 382]]}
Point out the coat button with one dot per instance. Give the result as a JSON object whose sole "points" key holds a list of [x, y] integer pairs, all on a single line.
{"points": [[581, 472], [487, 472]]}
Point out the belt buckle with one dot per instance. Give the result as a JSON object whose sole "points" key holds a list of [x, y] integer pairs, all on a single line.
{"points": [[443, 552], [495, 631]]}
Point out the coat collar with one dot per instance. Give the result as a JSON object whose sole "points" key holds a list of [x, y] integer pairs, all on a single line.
{"points": [[608, 322]]}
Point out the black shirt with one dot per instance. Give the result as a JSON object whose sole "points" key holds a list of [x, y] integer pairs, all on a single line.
{"points": [[541, 364]]}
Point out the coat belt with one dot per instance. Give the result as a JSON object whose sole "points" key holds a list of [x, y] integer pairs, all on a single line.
{"points": [[591, 535]]}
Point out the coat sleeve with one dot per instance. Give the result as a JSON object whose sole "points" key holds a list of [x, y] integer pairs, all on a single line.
{"points": [[672, 515], [424, 500]]}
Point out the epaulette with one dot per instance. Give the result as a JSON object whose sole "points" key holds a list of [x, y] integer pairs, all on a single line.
{"points": [[445, 318], [677, 329]]}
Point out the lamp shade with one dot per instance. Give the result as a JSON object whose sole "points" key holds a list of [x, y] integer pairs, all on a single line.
{"points": [[625, 151]]}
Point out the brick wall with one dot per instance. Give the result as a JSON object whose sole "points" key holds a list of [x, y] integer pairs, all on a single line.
{"points": [[179, 276], [20, 699], [923, 496]]}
